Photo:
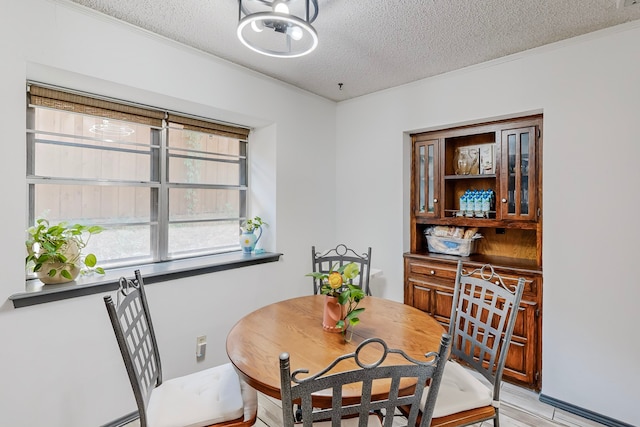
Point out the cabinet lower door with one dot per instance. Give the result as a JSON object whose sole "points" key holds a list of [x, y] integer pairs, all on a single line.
{"points": [[421, 296], [432, 298], [521, 357]]}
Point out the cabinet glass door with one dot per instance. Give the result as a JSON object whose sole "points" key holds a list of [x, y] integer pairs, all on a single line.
{"points": [[518, 174], [426, 155]]}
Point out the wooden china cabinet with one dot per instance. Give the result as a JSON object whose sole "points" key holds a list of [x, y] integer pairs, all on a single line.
{"points": [[502, 158]]}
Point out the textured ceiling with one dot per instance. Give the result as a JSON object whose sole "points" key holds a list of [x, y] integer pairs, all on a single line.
{"points": [[370, 45]]}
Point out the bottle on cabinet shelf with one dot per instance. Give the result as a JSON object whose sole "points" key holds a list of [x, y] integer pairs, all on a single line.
{"points": [[476, 203], [463, 203]]}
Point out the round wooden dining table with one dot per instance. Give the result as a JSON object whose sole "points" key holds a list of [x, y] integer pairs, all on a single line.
{"points": [[255, 343]]}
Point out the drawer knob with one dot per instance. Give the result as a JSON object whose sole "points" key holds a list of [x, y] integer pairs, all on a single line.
{"points": [[433, 272]]}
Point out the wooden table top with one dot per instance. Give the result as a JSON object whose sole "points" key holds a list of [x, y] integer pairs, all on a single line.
{"points": [[294, 326]]}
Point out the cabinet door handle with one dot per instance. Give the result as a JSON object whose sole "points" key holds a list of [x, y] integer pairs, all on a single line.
{"points": [[504, 200], [433, 272], [435, 200]]}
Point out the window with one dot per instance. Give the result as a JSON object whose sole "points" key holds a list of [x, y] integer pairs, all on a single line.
{"points": [[164, 185]]}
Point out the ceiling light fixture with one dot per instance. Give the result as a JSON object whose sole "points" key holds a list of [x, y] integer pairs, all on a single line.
{"points": [[108, 129], [278, 28]]}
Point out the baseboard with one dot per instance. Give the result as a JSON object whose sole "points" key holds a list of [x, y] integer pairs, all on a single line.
{"points": [[123, 420], [584, 413]]}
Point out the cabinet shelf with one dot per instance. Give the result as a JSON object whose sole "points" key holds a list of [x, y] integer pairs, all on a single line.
{"points": [[454, 213], [475, 176], [478, 222]]}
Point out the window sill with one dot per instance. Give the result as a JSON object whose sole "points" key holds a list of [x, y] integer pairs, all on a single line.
{"points": [[39, 293]]}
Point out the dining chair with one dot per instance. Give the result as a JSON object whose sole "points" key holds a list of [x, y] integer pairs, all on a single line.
{"points": [[329, 260], [483, 316], [211, 397], [298, 387]]}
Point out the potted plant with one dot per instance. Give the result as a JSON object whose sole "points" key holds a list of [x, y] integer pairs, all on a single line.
{"points": [[248, 239], [54, 252], [341, 311]]}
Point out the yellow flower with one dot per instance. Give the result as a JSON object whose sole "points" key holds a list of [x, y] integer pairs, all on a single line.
{"points": [[335, 280]]}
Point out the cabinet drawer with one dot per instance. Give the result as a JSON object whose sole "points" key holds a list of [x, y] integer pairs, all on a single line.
{"points": [[448, 271], [442, 271], [530, 285]]}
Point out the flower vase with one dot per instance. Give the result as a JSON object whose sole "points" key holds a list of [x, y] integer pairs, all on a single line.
{"points": [[248, 240], [72, 251], [333, 312], [347, 334]]}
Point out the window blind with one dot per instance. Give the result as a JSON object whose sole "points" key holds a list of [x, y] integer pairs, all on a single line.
{"points": [[194, 124], [67, 101], [78, 103]]}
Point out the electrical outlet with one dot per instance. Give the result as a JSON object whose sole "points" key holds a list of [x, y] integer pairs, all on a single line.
{"points": [[201, 346]]}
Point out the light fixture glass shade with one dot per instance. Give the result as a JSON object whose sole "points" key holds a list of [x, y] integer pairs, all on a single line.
{"points": [[277, 33], [108, 129]]}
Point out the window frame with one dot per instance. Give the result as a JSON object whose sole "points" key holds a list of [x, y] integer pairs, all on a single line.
{"points": [[159, 218]]}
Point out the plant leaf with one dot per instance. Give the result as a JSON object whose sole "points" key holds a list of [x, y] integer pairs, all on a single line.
{"points": [[43, 258], [354, 321], [90, 260], [354, 313], [344, 297], [317, 275], [351, 270]]}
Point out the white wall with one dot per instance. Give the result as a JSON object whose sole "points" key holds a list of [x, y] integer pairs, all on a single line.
{"points": [[589, 92], [59, 365]]}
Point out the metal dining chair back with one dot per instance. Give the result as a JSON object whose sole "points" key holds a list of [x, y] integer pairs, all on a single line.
{"points": [[300, 387], [211, 397], [136, 339], [332, 259], [482, 320], [483, 317]]}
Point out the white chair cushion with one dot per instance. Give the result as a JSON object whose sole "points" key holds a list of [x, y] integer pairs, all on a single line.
{"points": [[250, 399], [374, 421], [459, 391], [199, 399]]}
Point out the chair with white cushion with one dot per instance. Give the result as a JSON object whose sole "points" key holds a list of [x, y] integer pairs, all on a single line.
{"points": [[483, 316], [300, 387], [211, 397]]}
